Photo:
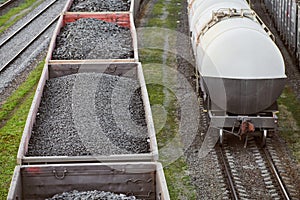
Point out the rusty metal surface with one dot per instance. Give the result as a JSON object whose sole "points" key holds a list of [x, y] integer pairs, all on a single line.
{"points": [[143, 180]]}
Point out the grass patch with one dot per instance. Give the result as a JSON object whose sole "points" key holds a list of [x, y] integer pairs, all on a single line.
{"points": [[165, 109], [155, 56], [166, 126], [14, 100], [16, 13], [11, 132], [150, 55], [289, 119], [165, 14], [164, 104], [178, 173], [10, 136]]}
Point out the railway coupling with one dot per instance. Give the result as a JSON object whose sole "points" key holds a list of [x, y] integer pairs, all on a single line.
{"points": [[244, 126]]}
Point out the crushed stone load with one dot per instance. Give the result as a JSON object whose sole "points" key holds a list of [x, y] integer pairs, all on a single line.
{"points": [[53, 132], [90, 114], [89, 38], [100, 5], [86, 195]]}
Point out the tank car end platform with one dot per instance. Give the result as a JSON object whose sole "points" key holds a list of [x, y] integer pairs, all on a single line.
{"points": [[244, 126]]}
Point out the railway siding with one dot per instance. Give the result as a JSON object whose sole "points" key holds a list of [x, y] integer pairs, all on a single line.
{"points": [[29, 32], [253, 174], [33, 40], [283, 165]]}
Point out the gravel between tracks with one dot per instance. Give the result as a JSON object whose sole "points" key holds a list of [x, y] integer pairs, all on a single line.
{"points": [[86, 114], [85, 195], [204, 172], [100, 5], [89, 38], [30, 15], [11, 77], [21, 39], [24, 61]]}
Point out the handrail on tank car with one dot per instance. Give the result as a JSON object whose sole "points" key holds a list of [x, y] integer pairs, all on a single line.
{"points": [[226, 13]]}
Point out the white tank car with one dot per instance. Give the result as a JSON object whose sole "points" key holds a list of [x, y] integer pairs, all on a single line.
{"points": [[242, 71]]}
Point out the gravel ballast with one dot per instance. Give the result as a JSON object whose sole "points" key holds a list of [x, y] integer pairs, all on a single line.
{"points": [[100, 5], [89, 38], [89, 114], [85, 195]]}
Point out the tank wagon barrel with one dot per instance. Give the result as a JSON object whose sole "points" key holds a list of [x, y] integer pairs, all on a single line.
{"points": [[242, 69]]}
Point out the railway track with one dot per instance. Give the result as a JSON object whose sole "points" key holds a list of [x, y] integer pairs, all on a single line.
{"points": [[6, 4], [276, 174], [228, 175], [30, 34], [271, 184], [269, 172], [16, 56], [283, 170], [228, 164], [27, 23]]}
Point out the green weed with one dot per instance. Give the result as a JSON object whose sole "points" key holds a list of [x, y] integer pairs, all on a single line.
{"points": [[16, 13], [14, 112], [163, 101], [289, 121]]}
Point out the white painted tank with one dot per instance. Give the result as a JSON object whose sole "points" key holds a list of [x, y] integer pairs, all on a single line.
{"points": [[242, 69]]}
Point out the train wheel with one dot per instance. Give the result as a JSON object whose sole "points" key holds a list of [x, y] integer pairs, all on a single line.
{"points": [[221, 137], [264, 137]]}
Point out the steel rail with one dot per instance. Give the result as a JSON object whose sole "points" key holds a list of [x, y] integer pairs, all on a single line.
{"points": [[276, 173], [228, 174], [28, 44], [27, 23], [5, 4]]}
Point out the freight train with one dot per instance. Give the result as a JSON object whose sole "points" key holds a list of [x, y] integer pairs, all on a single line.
{"points": [[241, 75], [241, 70], [50, 168]]}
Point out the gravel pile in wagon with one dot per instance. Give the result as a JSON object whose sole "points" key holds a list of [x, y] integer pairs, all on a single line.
{"points": [[91, 195], [100, 5], [89, 38], [90, 114]]}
